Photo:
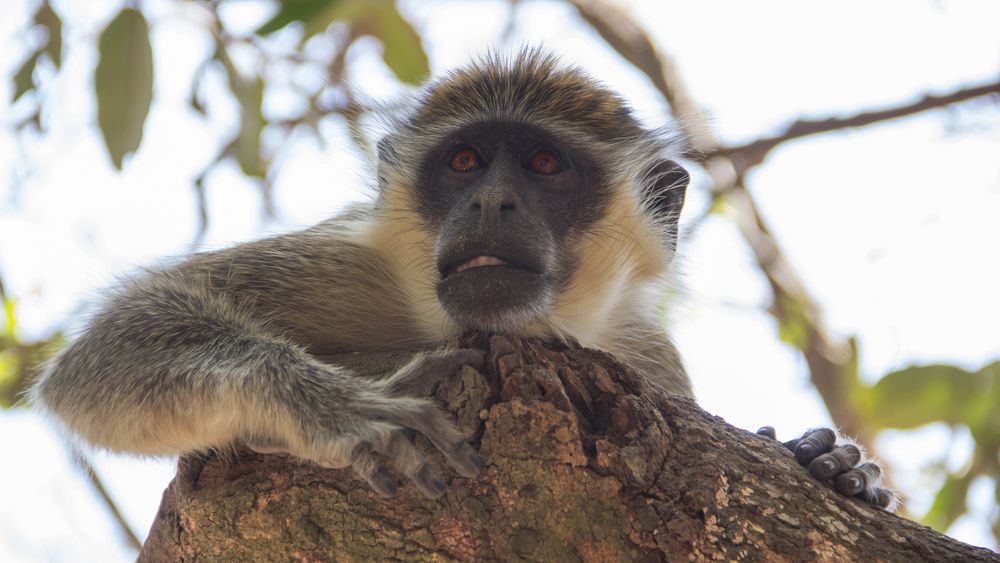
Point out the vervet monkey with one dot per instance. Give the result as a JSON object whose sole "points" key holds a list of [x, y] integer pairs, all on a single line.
{"points": [[517, 196]]}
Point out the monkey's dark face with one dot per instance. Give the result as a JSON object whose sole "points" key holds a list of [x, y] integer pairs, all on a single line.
{"points": [[506, 200]]}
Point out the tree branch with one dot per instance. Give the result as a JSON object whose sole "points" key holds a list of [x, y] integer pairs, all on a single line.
{"points": [[586, 461], [751, 154]]}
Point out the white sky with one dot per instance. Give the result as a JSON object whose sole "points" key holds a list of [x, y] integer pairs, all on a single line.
{"points": [[894, 227]]}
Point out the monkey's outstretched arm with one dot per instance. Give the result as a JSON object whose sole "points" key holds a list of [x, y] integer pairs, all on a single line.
{"points": [[177, 362]]}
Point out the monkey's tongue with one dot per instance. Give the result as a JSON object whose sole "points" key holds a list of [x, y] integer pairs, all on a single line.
{"points": [[479, 262]]}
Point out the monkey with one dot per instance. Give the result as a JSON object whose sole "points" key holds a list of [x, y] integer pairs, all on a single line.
{"points": [[517, 195]]}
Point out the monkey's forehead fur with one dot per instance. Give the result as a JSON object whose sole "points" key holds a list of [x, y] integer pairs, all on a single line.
{"points": [[531, 87]]}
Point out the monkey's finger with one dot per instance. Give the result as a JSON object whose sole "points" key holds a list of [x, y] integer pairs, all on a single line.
{"points": [[426, 418], [767, 432], [877, 496], [859, 479], [835, 462], [411, 463], [429, 481], [368, 467], [418, 377], [471, 356], [813, 444]]}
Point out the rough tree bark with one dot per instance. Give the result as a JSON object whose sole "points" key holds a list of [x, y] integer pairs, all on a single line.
{"points": [[586, 461]]}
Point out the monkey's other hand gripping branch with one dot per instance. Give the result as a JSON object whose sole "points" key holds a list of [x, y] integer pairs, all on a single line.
{"points": [[839, 466], [376, 430]]}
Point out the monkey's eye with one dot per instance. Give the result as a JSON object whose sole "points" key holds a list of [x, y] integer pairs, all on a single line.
{"points": [[464, 160], [545, 162]]}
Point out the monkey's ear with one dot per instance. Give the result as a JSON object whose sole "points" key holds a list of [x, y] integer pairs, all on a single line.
{"points": [[388, 159], [387, 149], [668, 183]]}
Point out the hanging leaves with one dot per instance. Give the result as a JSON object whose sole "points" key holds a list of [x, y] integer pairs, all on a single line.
{"points": [[48, 19], [24, 80], [250, 96], [949, 503], [292, 11], [251, 126], [403, 51], [919, 395], [123, 82]]}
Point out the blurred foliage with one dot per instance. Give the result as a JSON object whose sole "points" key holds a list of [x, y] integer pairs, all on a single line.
{"points": [[123, 88], [920, 395], [19, 361], [123, 83]]}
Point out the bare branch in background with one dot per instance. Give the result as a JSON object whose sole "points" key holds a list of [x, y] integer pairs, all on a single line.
{"points": [[618, 28], [749, 155], [830, 361], [95, 480], [201, 202]]}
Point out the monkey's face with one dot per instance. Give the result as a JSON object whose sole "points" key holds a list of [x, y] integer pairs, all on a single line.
{"points": [[506, 200]]}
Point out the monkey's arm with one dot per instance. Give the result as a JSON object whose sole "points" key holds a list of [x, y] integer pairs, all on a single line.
{"points": [[191, 357]]}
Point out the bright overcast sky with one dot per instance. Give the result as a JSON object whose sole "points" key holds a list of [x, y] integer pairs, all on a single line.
{"points": [[894, 227]]}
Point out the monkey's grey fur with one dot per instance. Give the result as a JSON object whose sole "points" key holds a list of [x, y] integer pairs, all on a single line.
{"points": [[226, 346]]}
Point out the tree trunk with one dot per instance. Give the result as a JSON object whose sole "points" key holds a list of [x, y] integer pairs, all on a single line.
{"points": [[586, 461]]}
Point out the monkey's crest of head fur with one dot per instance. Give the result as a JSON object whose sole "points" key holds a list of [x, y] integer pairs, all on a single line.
{"points": [[617, 258]]}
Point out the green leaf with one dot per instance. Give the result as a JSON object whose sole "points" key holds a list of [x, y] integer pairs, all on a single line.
{"points": [[793, 322], [920, 395], [10, 321], [402, 50], [124, 83], [10, 370], [24, 77], [251, 125], [949, 503], [250, 96], [194, 96], [48, 19], [291, 11], [983, 414]]}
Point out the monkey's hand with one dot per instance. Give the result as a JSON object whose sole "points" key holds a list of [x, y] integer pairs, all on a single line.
{"points": [[838, 465], [368, 425]]}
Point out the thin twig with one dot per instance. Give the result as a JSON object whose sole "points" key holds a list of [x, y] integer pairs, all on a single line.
{"points": [[751, 154], [201, 201], [620, 31], [95, 480]]}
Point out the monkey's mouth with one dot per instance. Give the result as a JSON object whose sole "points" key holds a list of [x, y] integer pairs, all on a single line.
{"points": [[479, 261], [486, 292]]}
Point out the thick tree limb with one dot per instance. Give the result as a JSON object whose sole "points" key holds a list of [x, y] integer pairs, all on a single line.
{"points": [[586, 462]]}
